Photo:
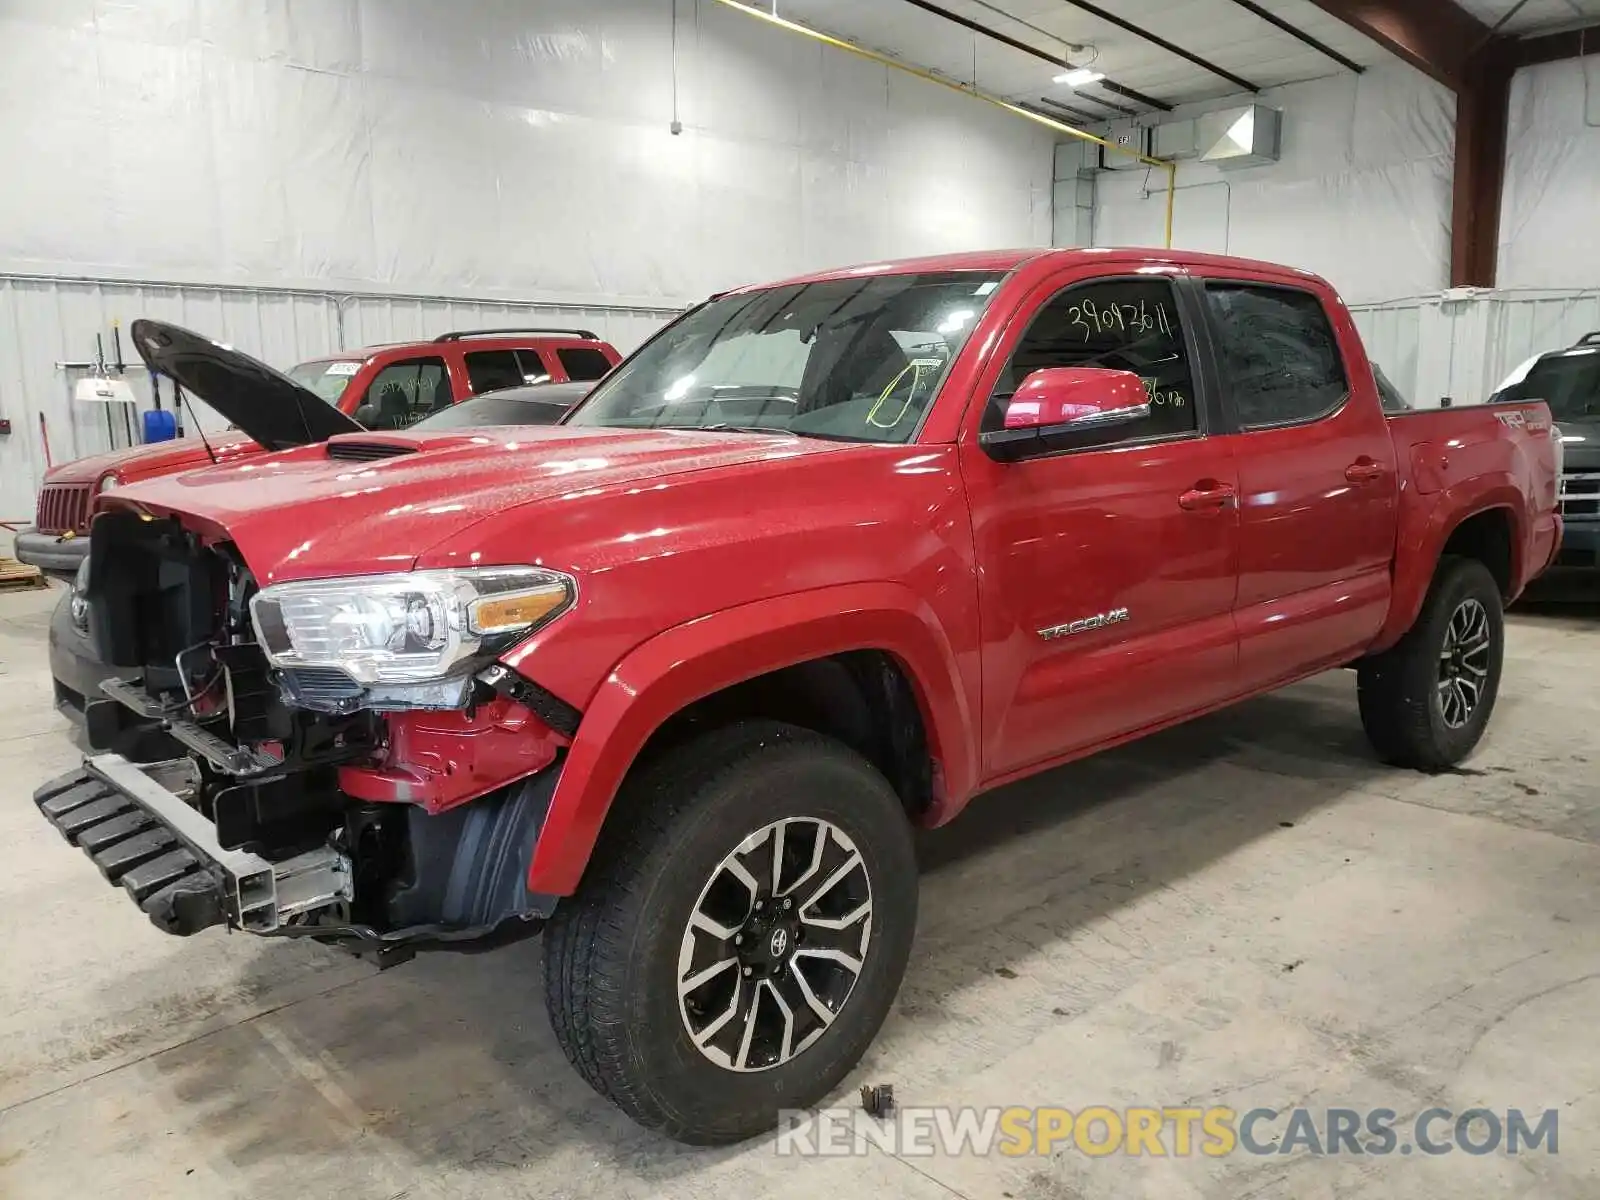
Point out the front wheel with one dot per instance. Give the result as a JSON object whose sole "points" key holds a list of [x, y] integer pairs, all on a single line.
{"points": [[1426, 701], [740, 936]]}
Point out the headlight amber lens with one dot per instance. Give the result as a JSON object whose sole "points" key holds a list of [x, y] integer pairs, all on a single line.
{"points": [[523, 610]]}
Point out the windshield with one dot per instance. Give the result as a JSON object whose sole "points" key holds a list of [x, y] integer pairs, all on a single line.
{"points": [[327, 377], [1568, 382], [851, 359]]}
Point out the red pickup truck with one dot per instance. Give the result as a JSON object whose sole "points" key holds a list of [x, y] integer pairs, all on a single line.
{"points": [[823, 561], [380, 387]]}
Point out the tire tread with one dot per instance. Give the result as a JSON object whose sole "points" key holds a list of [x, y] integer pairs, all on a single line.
{"points": [[1395, 688]]}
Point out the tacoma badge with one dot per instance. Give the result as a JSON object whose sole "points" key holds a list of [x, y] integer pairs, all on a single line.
{"points": [[1095, 622]]}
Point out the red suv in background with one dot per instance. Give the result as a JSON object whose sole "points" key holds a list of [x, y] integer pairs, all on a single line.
{"points": [[380, 387]]}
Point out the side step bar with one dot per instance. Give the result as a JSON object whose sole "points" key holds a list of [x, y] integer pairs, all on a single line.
{"points": [[136, 825]]}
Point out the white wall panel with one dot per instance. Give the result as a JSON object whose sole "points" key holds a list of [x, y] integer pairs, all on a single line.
{"points": [[495, 148], [1361, 194], [1549, 235]]}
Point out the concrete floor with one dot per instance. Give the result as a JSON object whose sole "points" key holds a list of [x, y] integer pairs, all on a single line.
{"points": [[1248, 911]]}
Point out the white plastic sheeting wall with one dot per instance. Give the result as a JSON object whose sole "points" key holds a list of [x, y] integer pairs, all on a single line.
{"points": [[515, 150], [483, 147], [1360, 196], [1550, 215]]}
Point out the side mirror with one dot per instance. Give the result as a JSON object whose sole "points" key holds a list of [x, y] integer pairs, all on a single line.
{"points": [[367, 414], [1065, 400]]}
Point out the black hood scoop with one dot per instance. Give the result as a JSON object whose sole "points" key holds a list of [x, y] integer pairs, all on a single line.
{"points": [[355, 450]]}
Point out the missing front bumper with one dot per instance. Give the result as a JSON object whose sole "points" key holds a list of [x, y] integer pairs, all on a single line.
{"points": [[136, 825]]}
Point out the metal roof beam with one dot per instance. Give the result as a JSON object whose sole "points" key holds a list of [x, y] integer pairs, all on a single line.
{"points": [[1295, 31], [1437, 37], [1055, 60], [1154, 39]]}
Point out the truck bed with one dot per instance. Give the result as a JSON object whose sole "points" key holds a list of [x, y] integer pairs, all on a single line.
{"points": [[1472, 460]]}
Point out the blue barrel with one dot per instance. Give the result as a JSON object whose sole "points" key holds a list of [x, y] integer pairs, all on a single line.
{"points": [[160, 425]]}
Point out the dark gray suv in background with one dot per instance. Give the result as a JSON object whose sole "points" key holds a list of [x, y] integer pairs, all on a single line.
{"points": [[1569, 382]]}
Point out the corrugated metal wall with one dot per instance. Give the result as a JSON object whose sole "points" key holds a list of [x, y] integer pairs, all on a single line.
{"points": [[48, 322], [1435, 346]]}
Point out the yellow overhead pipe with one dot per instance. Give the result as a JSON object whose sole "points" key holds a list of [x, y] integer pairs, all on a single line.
{"points": [[1171, 168]]}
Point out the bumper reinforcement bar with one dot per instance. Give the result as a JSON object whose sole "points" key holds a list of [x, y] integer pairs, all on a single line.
{"points": [[231, 760], [135, 823]]}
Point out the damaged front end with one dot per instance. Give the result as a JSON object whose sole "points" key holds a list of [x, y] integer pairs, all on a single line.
{"points": [[343, 759]]}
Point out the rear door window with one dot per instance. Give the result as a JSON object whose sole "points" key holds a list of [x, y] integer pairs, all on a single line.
{"points": [[534, 367], [1280, 359], [488, 370]]}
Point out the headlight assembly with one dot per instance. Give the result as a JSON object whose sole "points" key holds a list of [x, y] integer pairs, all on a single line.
{"points": [[413, 628]]}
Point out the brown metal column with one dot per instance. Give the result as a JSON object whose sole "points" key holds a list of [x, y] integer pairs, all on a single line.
{"points": [[1482, 101], [1474, 61]]}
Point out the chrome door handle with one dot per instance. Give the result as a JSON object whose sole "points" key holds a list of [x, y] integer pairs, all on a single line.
{"points": [[1364, 470], [1207, 495]]}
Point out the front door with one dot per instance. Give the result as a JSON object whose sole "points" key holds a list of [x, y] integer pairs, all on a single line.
{"points": [[1107, 565], [1317, 480]]}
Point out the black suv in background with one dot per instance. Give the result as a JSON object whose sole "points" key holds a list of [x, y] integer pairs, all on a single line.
{"points": [[1569, 382]]}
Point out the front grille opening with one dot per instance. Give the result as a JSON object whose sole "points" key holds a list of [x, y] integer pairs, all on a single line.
{"points": [[367, 451], [1580, 494], [63, 508]]}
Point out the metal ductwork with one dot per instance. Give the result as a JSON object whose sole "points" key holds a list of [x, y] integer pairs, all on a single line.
{"points": [[1247, 136]]}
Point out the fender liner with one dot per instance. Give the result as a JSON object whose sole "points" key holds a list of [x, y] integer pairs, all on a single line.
{"points": [[693, 660]]}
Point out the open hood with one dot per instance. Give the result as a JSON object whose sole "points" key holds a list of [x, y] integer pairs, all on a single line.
{"points": [[266, 404]]}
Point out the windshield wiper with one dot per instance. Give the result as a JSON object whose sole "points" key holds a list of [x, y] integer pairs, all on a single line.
{"points": [[723, 427]]}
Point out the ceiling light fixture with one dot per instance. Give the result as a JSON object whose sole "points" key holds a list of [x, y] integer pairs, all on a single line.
{"points": [[1078, 76]]}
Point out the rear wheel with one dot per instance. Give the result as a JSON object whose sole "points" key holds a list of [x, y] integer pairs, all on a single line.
{"points": [[740, 936], [1426, 701]]}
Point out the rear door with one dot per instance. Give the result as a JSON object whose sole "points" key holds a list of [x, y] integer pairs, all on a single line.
{"points": [[1317, 479], [1106, 567]]}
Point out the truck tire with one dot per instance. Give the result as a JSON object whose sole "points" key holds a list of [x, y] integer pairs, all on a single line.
{"points": [[699, 987], [1426, 700]]}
